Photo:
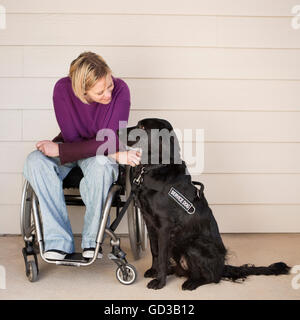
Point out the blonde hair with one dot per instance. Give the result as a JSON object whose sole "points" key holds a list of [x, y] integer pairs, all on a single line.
{"points": [[85, 70]]}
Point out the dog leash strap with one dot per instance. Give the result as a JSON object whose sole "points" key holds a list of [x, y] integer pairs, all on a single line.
{"points": [[116, 222], [136, 183], [199, 192]]}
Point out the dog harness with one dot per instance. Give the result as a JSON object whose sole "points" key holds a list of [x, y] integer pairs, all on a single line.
{"points": [[173, 193]]}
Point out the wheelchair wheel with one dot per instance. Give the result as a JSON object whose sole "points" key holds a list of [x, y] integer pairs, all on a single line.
{"points": [[26, 211], [32, 271], [142, 230], [126, 274], [26, 216], [136, 225]]}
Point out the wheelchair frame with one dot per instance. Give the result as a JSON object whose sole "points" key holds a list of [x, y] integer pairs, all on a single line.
{"points": [[31, 228]]}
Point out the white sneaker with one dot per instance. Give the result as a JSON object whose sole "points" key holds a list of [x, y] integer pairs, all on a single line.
{"points": [[55, 255], [88, 253]]}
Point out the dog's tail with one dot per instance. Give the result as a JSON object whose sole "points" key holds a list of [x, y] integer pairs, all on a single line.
{"points": [[234, 273]]}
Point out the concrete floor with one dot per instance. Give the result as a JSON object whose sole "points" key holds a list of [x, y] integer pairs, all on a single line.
{"points": [[99, 282]]}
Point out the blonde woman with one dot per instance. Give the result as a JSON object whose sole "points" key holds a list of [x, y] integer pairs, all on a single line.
{"points": [[87, 100]]}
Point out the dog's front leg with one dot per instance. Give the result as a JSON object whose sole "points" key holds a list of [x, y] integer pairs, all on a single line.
{"points": [[152, 272], [162, 266]]}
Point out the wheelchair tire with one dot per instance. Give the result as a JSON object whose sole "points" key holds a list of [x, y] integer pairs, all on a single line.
{"points": [[142, 230], [26, 211], [26, 216], [130, 274], [32, 273], [136, 224]]}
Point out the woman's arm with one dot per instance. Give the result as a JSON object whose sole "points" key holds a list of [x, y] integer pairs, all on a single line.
{"points": [[58, 138]]}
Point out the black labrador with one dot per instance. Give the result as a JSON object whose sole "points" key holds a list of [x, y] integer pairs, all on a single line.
{"points": [[184, 235]]}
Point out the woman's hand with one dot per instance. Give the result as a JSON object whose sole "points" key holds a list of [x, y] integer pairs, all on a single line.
{"points": [[48, 148], [130, 157]]}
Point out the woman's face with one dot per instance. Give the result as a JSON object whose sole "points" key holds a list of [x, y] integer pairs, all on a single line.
{"points": [[101, 91]]}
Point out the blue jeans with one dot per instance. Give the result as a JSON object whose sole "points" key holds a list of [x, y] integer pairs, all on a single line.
{"points": [[45, 175]]}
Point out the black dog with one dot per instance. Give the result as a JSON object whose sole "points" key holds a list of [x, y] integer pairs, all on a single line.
{"points": [[184, 236]]}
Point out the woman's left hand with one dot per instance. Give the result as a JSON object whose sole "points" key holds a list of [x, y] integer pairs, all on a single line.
{"points": [[48, 148]]}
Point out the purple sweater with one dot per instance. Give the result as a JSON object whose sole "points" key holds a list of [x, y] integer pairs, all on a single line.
{"points": [[79, 122]]}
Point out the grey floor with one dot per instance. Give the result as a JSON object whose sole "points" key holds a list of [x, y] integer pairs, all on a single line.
{"points": [[99, 282]]}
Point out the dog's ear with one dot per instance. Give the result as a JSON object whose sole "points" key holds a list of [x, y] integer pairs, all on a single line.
{"points": [[163, 144]]}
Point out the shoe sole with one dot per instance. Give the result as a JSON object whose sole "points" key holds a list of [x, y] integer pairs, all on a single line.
{"points": [[54, 256], [90, 255]]}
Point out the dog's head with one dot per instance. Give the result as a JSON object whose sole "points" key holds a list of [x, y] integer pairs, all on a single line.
{"points": [[156, 138]]}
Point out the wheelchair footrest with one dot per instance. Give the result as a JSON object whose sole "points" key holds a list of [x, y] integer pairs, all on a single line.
{"points": [[74, 260], [70, 258], [76, 257]]}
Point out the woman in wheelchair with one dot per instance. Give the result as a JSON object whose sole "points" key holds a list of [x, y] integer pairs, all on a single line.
{"points": [[87, 100]]}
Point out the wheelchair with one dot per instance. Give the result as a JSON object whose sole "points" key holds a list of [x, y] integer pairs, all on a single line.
{"points": [[31, 227]]}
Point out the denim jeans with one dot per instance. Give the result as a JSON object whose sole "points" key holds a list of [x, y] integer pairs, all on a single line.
{"points": [[45, 175]]}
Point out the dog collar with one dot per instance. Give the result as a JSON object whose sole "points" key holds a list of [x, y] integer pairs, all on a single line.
{"points": [[139, 179]]}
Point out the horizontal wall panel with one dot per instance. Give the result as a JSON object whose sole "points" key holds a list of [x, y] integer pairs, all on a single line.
{"points": [[10, 125], [251, 188], [29, 92], [200, 7], [10, 219], [164, 62], [53, 29], [218, 157], [11, 61], [230, 219], [217, 125], [39, 125], [257, 218], [13, 155], [257, 33], [231, 126], [227, 189], [252, 158], [10, 188], [181, 94], [215, 94]]}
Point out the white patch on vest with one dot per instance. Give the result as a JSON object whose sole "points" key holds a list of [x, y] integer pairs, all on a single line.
{"points": [[181, 200]]}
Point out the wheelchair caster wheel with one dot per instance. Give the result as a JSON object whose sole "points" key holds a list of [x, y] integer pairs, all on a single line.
{"points": [[31, 271], [126, 274]]}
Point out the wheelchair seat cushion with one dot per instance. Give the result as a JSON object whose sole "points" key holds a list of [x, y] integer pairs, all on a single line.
{"points": [[72, 180]]}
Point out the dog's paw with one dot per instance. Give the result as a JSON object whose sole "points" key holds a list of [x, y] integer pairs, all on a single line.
{"points": [[190, 284], [156, 284], [150, 273]]}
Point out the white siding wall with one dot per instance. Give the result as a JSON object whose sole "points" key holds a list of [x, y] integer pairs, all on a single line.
{"points": [[230, 67]]}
